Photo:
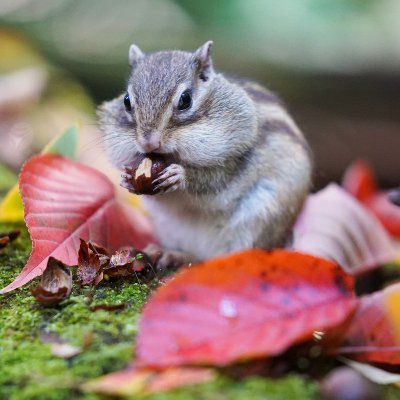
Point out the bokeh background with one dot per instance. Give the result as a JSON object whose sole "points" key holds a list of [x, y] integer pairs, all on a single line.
{"points": [[336, 63]]}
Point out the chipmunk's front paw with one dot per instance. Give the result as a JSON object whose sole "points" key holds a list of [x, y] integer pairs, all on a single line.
{"points": [[172, 178], [126, 181], [164, 259]]}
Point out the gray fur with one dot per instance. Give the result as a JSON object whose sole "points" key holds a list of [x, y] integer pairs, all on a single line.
{"points": [[240, 167]]}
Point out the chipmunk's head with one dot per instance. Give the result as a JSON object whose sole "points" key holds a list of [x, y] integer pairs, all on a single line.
{"points": [[174, 104]]}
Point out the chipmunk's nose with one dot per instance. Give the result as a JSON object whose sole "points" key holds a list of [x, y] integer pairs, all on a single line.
{"points": [[149, 143]]}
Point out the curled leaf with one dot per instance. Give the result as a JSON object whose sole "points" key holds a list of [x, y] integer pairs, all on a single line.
{"points": [[91, 261], [374, 374], [55, 285], [335, 226], [126, 262]]}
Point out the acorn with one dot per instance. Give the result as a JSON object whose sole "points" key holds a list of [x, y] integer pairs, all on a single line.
{"points": [[141, 174]]}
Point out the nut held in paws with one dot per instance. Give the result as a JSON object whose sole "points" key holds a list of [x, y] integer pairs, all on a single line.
{"points": [[145, 169]]}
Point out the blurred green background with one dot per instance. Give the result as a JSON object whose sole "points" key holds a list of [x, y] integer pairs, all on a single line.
{"points": [[336, 63]]}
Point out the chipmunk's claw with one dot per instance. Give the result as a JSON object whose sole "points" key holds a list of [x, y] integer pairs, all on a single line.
{"points": [[172, 178]]}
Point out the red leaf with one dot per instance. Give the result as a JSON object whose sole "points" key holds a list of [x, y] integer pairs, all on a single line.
{"points": [[65, 201], [334, 225], [374, 332], [247, 305], [360, 182]]}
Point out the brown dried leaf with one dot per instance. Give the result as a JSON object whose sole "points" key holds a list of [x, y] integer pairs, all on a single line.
{"points": [[4, 241], [126, 261], [55, 285], [108, 307], [8, 237], [91, 261]]}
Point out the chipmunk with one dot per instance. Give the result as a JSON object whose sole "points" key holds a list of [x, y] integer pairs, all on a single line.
{"points": [[240, 168]]}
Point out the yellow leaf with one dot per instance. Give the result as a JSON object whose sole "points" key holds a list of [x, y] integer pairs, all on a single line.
{"points": [[11, 209], [392, 300]]}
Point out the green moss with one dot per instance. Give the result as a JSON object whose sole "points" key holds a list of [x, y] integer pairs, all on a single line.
{"points": [[255, 388]]}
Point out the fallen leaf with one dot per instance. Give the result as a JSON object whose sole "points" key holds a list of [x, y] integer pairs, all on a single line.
{"points": [[108, 307], [359, 181], [344, 383], [11, 208], [126, 261], [133, 381], [373, 334], [335, 226], [55, 285], [243, 306], [64, 350], [374, 374], [4, 241], [12, 235], [6, 238], [65, 201], [91, 261]]}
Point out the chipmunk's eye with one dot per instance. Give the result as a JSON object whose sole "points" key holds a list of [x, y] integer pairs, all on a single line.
{"points": [[185, 100], [127, 103]]}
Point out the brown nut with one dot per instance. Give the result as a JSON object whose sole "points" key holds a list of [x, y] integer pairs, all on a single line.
{"points": [[145, 169]]}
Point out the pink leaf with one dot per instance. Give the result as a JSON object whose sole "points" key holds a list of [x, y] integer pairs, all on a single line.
{"points": [[374, 331], [335, 226], [359, 181], [65, 201]]}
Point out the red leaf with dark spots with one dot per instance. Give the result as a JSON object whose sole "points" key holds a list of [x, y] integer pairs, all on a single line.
{"points": [[244, 306], [65, 201]]}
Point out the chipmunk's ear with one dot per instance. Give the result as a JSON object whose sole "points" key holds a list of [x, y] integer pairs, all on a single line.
{"points": [[135, 55], [203, 54]]}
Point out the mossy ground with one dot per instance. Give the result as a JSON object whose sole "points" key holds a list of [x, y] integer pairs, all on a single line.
{"points": [[28, 369]]}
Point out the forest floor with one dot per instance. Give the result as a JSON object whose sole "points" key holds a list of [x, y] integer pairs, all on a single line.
{"points": [[29, 369]]}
